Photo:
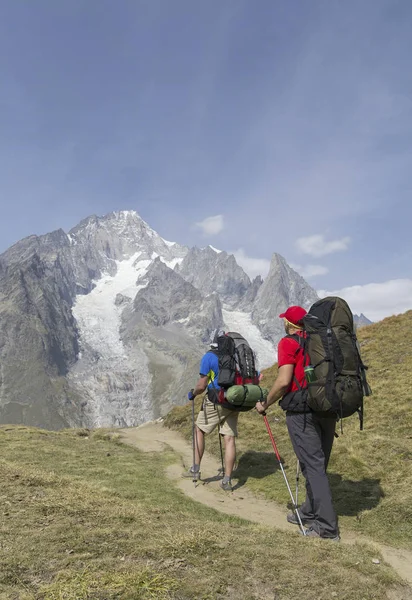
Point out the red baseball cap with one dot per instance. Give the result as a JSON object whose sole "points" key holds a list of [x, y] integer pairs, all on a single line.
{"points": [[294, 315]]}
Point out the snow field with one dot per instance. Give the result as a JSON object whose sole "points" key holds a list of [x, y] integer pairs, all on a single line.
{"points": [[241, 322], [105, 382], [96, 313]]}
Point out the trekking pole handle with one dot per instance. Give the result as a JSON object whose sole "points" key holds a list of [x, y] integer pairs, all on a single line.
{"points": [[262, 413]]}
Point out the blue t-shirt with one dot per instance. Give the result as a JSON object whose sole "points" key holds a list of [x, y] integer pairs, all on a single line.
{"points": [[209, 367]]}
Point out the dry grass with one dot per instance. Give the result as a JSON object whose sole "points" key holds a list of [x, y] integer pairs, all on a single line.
{"points": [[86, 518], [370, 471]]}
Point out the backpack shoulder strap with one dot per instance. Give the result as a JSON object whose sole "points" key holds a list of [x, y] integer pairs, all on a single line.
{"points": [[298, 338], [301, 341]]}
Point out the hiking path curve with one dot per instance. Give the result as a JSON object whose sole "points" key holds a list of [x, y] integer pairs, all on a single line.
{"points": [[154, 437]]}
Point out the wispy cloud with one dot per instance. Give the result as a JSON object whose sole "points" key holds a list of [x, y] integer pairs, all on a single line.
{"points": [[377, 300], [316, 245], [309, 271], [252, 266], [211, 225]]}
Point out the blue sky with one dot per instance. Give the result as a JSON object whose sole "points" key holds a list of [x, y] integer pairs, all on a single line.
{"points": [[258, 127]]}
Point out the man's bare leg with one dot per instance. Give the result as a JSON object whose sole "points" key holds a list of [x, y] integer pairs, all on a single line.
{"points": [[199, 445], [230, 454], [194, 471]]}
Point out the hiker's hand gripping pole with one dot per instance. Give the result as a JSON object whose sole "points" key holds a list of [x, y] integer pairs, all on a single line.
{"points": [[272, 439]]}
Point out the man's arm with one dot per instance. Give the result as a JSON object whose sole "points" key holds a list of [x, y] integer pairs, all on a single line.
{"points": [[202, 382], [200, 386], [279, 387]]}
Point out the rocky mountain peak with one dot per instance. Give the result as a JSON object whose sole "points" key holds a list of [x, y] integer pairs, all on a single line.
{"points": [[119, 235], [278, 264], [361, 320], [98, 244], [167, 297], [249, 298], [211, 271], [282, 287]]}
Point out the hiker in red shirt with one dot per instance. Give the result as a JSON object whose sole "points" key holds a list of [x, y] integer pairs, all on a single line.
{"points": [[311, 433]]}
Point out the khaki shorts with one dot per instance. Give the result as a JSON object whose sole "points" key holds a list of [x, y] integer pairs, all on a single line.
{"points": [[212, 415]]}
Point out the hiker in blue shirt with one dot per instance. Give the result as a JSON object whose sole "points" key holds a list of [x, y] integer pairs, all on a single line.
{"points": [[212, 415]]}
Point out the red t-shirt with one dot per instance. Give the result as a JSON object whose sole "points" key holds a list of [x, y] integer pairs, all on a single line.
{"points": [[291, 353]]}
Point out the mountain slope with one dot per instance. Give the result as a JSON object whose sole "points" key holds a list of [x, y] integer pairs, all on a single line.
{"points": [[86, 517], [38, 334], [41, 280], [171, 320], [211, 271]]}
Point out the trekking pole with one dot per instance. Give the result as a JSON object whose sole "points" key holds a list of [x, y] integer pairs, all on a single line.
{"points": [[221, 453], [297, 482], [193, 441], [272, 439]]}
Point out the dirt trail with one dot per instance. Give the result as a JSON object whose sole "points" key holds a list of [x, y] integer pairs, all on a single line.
{"points": [[153, 437]]}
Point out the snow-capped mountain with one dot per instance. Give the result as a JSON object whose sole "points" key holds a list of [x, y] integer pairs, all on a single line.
{"points": [[106, 325]]}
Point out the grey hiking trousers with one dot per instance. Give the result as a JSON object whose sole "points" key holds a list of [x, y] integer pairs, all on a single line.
{"points": [[312, 439]]}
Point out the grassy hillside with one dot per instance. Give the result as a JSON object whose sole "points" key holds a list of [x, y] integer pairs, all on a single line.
{"points": [[370, 471], [83, 517], [86, 518]]}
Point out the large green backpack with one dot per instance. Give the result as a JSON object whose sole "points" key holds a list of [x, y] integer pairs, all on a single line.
{"points": [[339, 382]]}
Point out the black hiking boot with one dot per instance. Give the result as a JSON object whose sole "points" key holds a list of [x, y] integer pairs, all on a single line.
{"points": [[291, 518], [314, 534]]}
